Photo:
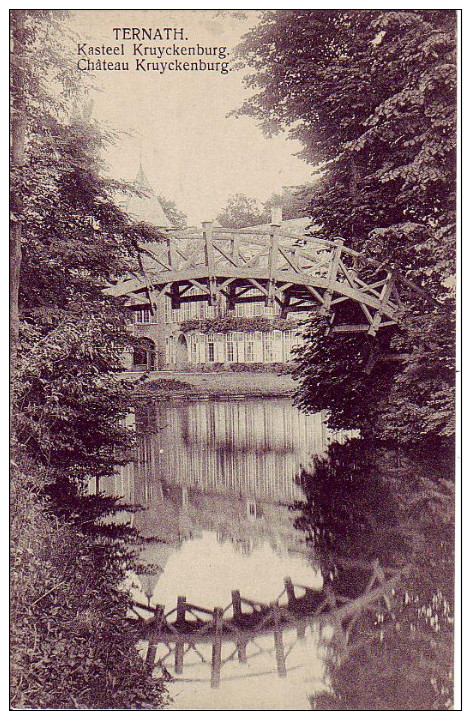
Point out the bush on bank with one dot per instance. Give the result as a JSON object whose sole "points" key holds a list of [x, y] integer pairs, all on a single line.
{"points": [[72, 646]]}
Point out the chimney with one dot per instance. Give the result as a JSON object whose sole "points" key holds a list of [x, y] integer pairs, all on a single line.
{"points": [[276, 215]]}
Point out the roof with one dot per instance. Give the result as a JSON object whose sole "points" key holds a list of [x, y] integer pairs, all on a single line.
{"points": [[294, 226], [146, 207]]}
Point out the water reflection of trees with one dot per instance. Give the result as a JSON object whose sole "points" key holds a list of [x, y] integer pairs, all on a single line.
{"points": [[363, 504]]}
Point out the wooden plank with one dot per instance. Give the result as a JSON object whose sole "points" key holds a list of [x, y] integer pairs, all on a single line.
{"points": [[235, 249], [354, 328], [374, 595], [227, 257]]}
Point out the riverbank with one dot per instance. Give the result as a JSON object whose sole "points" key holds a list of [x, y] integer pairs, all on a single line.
{"points": [[212, 385]]}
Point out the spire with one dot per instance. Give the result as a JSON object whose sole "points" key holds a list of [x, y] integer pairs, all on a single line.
{"points": [[146, 208], [141, 181]]}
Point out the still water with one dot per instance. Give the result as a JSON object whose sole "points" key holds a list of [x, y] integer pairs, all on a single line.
{"points": [[217, 480], [223, 509]]}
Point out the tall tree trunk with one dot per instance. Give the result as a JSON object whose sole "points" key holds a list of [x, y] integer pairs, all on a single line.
{"points": [[18, 158]]}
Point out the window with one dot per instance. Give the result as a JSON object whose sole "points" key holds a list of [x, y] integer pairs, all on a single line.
{"points": [[230, 351], [210, 352], [168, 311], [249, 353], [267, 347], [186, 310], [251, 509], [142, 316]]}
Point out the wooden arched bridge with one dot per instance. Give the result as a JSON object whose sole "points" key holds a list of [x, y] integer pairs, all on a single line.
{"points": [[189, 628], [297, 272]]}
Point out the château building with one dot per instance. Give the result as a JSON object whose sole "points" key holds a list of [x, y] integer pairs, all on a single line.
{"points": [[197, 335]]}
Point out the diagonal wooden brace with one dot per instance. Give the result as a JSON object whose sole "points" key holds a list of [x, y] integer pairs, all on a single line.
{"points": [[332, 277], [384, 298]]}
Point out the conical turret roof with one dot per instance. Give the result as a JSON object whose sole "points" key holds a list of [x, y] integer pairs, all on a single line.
{"points": [[147, 207]]}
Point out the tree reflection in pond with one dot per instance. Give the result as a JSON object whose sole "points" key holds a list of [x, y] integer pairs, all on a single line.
{"points": [[364, 503]]}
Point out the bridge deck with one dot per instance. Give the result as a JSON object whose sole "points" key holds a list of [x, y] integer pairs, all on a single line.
{"points": [[299, 273]]}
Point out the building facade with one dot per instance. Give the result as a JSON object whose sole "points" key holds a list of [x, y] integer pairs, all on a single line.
{"points": [[197, 335]]}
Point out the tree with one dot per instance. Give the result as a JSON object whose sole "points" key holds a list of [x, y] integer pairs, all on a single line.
{"points": [[240, 211], [69, 568], [292, 202], [371, 95], [176, 217], [364, 503]]}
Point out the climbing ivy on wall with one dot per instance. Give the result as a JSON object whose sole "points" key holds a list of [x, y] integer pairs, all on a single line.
{"points": [[231, 323]]}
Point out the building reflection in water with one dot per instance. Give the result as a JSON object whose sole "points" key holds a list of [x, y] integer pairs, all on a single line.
{"points": [[227, 467], [216, 481], [223, 472]]}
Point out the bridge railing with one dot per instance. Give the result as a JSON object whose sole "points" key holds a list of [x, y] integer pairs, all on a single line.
{"points": [[188, 624], [295, 272]]}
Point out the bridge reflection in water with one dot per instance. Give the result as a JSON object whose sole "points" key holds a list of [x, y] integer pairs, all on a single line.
{"points": [[217, 479]]}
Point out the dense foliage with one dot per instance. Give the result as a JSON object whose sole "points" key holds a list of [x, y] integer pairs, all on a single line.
{"points": [[71, 643], [225, 324], [364, 503], [240, 211], [176, 217], [292, 202], [371, 95]]}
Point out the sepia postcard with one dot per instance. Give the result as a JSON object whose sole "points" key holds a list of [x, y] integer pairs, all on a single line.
{"points": [[233, 359]]}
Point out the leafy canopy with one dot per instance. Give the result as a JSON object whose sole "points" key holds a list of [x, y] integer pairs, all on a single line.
{"points": [[371, 95]]}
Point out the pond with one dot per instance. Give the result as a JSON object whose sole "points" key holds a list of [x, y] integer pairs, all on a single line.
{"points": [[230, 502]]}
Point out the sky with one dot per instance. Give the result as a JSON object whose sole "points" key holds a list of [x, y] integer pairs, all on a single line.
{"points": [[177, 123]]}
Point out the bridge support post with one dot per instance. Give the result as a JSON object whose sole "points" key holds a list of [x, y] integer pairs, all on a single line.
{"points": [[181, 609], [153, 637], [289, 587], [279, 647], [179, 654], [272, 256], [285, 306], [160, 355], [231, 297], [175, 296], [209, 253], [301, 630], [217, 648], [242, 651], [236, 605], [151, 652]]}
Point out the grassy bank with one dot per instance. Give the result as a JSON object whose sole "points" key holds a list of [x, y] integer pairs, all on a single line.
{"points": [[193, 385]]}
